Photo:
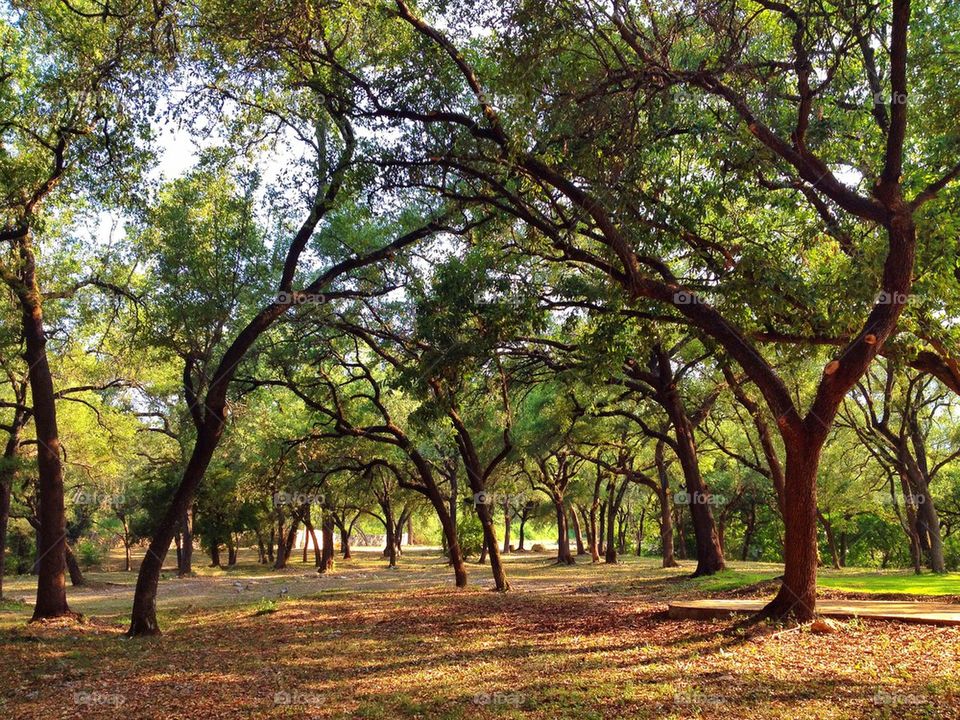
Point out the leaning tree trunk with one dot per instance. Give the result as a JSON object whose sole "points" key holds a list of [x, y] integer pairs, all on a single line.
{"points": [[928, 526], [577, 533], [490, 540], [52, 537], [73, 567], [709, 552], [143, 620], [449, 525]]}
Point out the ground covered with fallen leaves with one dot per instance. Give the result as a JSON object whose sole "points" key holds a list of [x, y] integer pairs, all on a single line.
{"points": [[589, 641]]}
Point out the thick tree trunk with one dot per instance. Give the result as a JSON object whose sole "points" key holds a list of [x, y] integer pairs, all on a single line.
{"points": [[564, 556], [52, 537], [797, 596]]}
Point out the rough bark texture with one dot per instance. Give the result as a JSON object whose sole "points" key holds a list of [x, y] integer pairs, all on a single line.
{"points": [[52, 536]]}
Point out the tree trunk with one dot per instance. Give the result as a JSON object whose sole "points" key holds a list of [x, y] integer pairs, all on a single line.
{"points": [[345, 543], [326, 542], [643, 517], [610, 544], [143, 620], [390, 549], [928, 526], [215, 553], [749, 530], [490, 539], [709, 552], [231, 550], [564, 556], [577, 533], [797, 596], [449, 524], [831, 540], [507, 518], [7, 472], [185, 558], [666, 509], [593, 533], [602, 532], [52, 537], [522, 530], [76, 574]]}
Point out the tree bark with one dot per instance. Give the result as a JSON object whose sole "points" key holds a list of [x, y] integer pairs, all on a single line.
{"points": [[76, 574], [326, 542], [507, 518], [52, 537], [564, 556], [831, 539], [666, 509], [577, 533], [798, 593], [493, 550], [7, 473], [185, 558]]}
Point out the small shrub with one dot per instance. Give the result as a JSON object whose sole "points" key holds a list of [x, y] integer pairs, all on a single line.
{"points": [[90, 553], [538, 547], [265, 607]]}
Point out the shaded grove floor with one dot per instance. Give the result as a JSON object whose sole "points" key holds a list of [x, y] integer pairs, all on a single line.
{"points": [[582, 642]]}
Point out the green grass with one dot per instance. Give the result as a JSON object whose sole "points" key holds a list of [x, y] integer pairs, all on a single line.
{"points": [[894, 582], [853, 580]]}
